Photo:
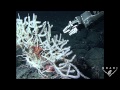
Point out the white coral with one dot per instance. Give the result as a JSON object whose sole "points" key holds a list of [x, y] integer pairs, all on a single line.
{"points": [[29, 33]]}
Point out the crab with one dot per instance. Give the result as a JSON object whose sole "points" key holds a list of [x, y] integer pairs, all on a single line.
{"points": [[37, 50]]}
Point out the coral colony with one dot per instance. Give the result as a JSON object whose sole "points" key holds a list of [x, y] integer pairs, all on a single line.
{"points": [[45, 53]]}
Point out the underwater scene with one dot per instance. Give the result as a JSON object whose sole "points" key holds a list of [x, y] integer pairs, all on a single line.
{"points": [[59, 44]]}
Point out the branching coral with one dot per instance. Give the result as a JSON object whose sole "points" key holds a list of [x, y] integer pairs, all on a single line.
{"points": [[42, 52]]}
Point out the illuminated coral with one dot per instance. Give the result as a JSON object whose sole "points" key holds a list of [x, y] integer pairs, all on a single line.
{"points": [[42, 52]]}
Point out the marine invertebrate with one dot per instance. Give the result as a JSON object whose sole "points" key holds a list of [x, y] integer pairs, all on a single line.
{"points": [[41, 51], [37, 50]]}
